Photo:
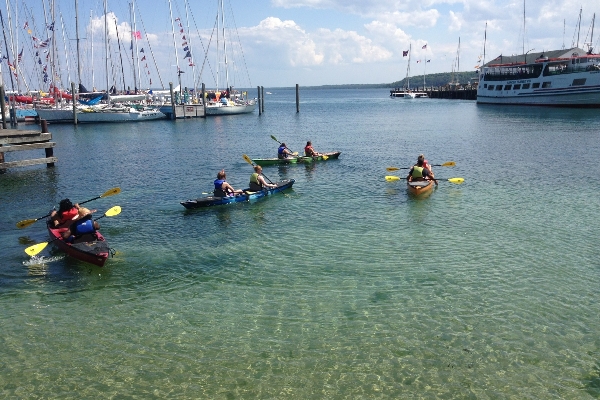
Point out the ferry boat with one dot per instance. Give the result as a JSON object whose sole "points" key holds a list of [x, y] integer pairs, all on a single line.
{"points": [[561, 78]]}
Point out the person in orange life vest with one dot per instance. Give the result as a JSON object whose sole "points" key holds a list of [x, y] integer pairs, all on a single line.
{"points": [[309, 151], [66, 212], [82, 225], [222, 188], [419, 173]]}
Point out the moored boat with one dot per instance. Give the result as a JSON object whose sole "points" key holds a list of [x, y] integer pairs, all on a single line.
{"points": [[419, 188], [210, 201], [90, 248], [294, 160]]}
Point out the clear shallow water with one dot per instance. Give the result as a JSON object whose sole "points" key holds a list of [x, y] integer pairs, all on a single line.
{"points": [[343, 288]]}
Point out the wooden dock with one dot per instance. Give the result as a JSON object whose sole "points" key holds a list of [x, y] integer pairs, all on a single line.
{"points": [[441, 92], [21, 140]]}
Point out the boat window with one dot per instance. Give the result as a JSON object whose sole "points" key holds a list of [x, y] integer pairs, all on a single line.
{"points": [[498, 87], [507, 87], [583, 60], [535, 85], [491, 87], [578, 82], [516, 87], [484, 85], [526, 86], [505, 73], [546, 84]]}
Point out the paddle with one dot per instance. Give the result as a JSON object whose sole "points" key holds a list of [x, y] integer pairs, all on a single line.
{"points": [[446, 164], [36, 248], [249, 161], [458, 181], [295, 154], [27, 222]]}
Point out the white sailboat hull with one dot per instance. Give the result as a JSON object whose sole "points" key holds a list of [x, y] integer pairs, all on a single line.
{"points": [[229, 109], [58, 115]]}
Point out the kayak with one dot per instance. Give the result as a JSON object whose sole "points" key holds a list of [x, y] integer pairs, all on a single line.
{"points": [[420, 187], [90, 248], [295, 160], [210, 201]]}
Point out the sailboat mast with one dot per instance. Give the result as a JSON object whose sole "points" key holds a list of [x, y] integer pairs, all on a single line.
{"points": [[106, 49], [92, 51], [484, 42], [224, 45], [579, 27], [136, 60], [175, 45], [77, 43], [408, 67]]}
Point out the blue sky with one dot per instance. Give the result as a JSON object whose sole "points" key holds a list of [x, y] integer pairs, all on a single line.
{"points": [[288, 42]]}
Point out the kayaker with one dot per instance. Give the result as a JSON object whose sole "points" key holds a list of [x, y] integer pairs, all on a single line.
{"points": [[222, 188], [309, 151], [83, 225], [257, 181], [426, 164], [419, 173], [283, 152], [66, 212]]}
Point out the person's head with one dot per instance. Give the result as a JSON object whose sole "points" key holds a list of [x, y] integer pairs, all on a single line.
{"points": [[309, 143], [257, 169], [283, 145], [64, 205], [421, 157], [221, 174], [419, 162]]}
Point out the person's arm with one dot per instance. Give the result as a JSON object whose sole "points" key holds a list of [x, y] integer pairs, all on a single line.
{"points": [[264, 183]]}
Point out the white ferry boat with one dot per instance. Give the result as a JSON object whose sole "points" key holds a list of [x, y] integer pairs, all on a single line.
{"points": [[562, 78]]}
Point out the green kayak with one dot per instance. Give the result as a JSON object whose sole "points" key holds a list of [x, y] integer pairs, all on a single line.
{"points": [[295, 160]]}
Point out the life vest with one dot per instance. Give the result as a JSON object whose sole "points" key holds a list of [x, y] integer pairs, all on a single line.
{"points": [[309, 151], [417, 172], [280, 152], [219, 192], [81, 227], [68, 215], [255, 185]]}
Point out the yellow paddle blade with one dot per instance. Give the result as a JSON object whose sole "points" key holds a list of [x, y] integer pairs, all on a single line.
{"points": [[392, 169], [449, 164], [24, 223], [116, 210], [247, 159], [325, 158], [391, 178], [111, 192], [458, 181], [36, 248], [295, 154]]}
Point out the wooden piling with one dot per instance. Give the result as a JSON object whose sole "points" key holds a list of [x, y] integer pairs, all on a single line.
{"points": [[297, 98], [74, 108], [173, 116], [259, 100], [3, 109], [204, 100], [262, 95]]}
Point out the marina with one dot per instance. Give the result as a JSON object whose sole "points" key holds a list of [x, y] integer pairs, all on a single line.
{"points": [[342, 286]]}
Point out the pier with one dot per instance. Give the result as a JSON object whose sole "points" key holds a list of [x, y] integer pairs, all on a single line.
{"points": [[22, 140]]}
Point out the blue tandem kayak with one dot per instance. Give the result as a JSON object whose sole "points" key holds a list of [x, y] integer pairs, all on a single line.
{"points": [[210, 201]]}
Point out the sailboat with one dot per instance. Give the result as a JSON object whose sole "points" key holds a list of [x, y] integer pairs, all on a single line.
{"points": [[405, 92], [228, 101], [101, 112]]}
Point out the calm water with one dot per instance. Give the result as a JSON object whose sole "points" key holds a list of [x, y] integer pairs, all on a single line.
{"points": [[345, 287]]}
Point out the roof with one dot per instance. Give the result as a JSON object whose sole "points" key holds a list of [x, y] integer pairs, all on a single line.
{"points": [[529, 57]]}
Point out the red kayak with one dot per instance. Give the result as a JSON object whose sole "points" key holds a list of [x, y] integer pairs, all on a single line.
{"points": [[90, 248]]}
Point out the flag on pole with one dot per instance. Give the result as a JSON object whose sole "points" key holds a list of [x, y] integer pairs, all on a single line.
{"points": [[143, 58], [428, 60], [20, 56], [425, 46], [188, 54], [142, 50], [404, 53], [137, 35], [418, 61]]}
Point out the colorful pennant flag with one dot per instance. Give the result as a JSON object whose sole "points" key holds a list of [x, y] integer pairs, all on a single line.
{"points": [[404, 53]]}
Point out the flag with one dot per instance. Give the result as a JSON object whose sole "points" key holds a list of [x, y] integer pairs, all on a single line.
{"points": [[137, 35], [428, 60], [151, 81], [404, 53], [184, 44], [26, 25], [20, 56], [188, 54], [183, 37], [51, 27], [186, 48], [181, 31], [177, 19], [425, 46], [192, 64], [476, 67], [142, 50], [143, 58], [418, 61]]}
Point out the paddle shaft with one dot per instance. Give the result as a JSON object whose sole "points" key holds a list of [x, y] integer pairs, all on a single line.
{"points": [[249, 161]]}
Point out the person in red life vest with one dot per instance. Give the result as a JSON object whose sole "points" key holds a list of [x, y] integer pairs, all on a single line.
{"points": [[82, 225], [309, 151], [222, 188], [419, 173], [66, 212], [426, 164]]}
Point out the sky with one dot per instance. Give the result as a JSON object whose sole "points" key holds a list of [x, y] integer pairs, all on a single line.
{"points": [[278, 43]]}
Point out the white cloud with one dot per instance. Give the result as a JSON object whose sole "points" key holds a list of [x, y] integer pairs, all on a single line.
{"points": [[456, 21]]}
